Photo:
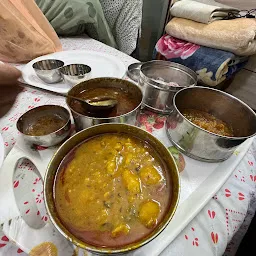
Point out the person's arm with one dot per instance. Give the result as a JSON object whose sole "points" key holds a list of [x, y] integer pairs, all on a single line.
{"points": [[9, 88]]}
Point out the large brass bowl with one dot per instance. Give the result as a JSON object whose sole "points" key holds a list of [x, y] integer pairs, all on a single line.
{"points": [[89, 133]]}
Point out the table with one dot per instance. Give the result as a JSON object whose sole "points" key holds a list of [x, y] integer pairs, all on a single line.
{"points": [[217, 229]]}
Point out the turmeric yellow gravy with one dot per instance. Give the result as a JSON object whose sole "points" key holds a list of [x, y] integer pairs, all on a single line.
{"points": [[112, 190]]}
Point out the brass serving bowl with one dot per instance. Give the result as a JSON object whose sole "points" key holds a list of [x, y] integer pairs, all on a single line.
{"points": [[89, 133]]}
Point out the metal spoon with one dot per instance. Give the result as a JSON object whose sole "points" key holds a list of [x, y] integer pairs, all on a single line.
{"points": [[100, 103]]}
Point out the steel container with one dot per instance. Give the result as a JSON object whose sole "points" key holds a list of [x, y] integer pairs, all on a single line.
{"points": [[199, 143], [48, 70], [155, 79], [83, 121], [75, 73]]}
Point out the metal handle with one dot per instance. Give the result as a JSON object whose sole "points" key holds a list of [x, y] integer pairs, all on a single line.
{"points": [[22, 84], [90, 105]]}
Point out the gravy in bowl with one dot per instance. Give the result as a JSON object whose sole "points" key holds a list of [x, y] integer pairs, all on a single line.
{"points": [[112, 190], [125, 101], [208, 122]]}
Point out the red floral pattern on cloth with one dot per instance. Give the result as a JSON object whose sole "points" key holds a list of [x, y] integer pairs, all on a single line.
{"points": [[151, 121], [7, 247], [171, 47], [225, 207], [220, 225]]}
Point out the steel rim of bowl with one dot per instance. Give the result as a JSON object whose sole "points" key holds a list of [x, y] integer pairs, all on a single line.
{"points": [[108, 118], [173, 65], [63, 71], [52, 133], [224, 93], [102, 250], [52, 69]]}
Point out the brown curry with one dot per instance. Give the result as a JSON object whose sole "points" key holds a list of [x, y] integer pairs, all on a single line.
{"points": [[45, 125], [208, 122], [112, 190], [125, 101]]}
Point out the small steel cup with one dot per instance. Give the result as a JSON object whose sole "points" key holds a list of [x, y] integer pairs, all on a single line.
{"points": [[51, 139], [133, 71], [48, 70], [75, 73]]}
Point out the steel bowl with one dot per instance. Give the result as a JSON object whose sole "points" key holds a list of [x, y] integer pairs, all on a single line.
{"points": [[31, 117], [90, 133], [48, 70], [75, 73], [133, 71], [199, 143], [83, 121], [155, 77]]}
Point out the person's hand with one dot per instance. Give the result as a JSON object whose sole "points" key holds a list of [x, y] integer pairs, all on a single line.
{"points": [[9, 88]]}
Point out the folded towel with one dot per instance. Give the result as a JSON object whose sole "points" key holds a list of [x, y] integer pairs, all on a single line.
{"points": [[205, 12], [212, 66], [237, 35]]}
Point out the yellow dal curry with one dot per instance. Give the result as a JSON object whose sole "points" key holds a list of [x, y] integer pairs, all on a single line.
{"points": [[112, 190]]}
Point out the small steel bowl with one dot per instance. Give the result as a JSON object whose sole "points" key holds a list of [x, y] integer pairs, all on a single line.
{"points": [[52, 139], [154, 79], [133, 71], [75, 73], [84, 121], [91, 132], [48, 70], [200, 144]]}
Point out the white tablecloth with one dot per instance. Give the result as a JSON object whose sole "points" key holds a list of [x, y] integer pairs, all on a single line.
{"points": [[217, 229]]}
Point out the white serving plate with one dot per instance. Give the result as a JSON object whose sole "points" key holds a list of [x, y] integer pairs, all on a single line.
{"points": [[102, 65]]}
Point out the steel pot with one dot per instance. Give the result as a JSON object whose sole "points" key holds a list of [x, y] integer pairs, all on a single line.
{"points": [[83, 121], [155, 77], [199, 143], [90, 133]]}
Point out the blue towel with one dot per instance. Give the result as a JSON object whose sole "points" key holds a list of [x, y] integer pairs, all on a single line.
{"points": [[212, 66]]}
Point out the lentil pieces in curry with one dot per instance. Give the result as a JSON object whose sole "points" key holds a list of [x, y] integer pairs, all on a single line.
{"points": [[112, 190]]}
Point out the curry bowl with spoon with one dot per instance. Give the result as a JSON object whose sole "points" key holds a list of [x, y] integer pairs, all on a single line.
{"points": [[119, 101], [92, 105]]}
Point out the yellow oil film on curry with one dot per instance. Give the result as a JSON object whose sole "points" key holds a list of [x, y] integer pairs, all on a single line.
{"points": [[112, 190]]}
